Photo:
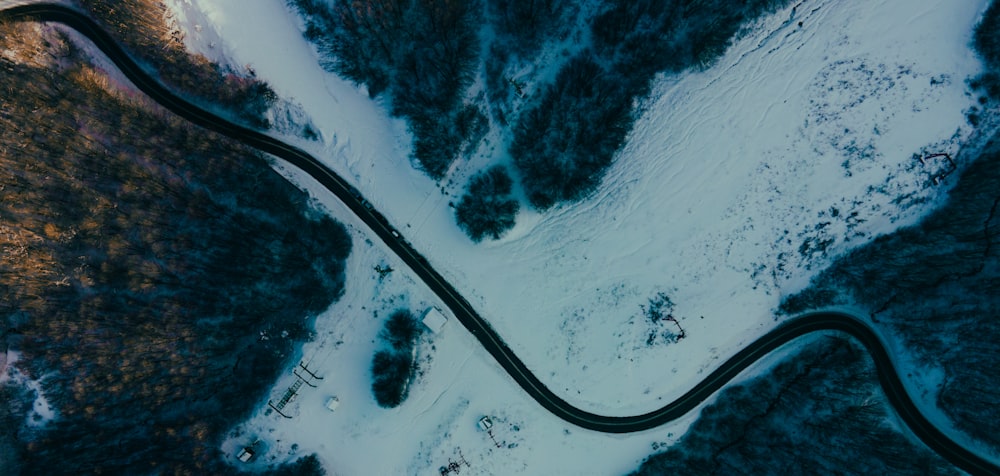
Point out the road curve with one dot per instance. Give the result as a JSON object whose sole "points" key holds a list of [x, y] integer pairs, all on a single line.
{"points": [[490, 340]]}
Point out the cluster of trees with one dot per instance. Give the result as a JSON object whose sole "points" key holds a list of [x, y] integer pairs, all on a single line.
{"points": [[937, 284], [987, 43], [140, 25], [817, 412], [420, 53], [487, 209], [639, 38], [393, 368], [16, 403], [987, 36], [157, 275], [563, 144], [520, 28]]}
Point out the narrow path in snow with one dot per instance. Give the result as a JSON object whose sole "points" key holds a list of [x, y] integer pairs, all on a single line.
{"points": [[488, 338]]}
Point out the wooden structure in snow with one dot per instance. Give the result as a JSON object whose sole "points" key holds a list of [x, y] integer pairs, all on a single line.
{"points": [[946, 170], [246, 454]]}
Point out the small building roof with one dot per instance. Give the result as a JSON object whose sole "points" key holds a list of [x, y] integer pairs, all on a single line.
{"points": [[246, 454], [332, 403], [434, 320], [485, 423]]}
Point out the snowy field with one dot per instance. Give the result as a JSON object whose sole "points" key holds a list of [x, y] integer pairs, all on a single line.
{"points": [[737, 184]]}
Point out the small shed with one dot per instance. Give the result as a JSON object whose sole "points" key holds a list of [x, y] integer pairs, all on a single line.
{"points": [[332, 403], [434, 320], [246, 454], [485, 423]]}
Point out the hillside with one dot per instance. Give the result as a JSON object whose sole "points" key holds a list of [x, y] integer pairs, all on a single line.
{"points": [[818, 411], [936, 285], [809, 136], [156, 278]]}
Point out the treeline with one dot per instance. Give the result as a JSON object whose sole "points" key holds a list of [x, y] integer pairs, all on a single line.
{"points": [[140, 25], [394, 367], [565, 142], [155, 277], [421, 54], [937, 284], [819, 411], [987, 43], [521, 26], [17, 402], [639, 38]]}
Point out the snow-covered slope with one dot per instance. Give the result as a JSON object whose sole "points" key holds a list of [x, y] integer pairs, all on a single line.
{"points": [[737, 183]]}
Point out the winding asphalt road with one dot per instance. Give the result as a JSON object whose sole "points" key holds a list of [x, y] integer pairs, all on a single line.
{"points": [[490, 340]]}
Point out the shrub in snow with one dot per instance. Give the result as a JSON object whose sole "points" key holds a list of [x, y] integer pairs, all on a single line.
{"points": [[304, 466], [401, 331], [487, 208], [660, 314], [394, 368], [391, 373]]}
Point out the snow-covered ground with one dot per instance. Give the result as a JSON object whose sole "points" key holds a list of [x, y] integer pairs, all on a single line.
{"points": [[41, 411], [737, 184], [458, 384]]}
